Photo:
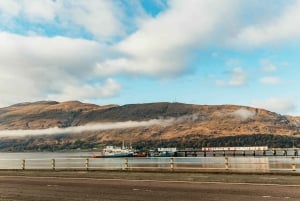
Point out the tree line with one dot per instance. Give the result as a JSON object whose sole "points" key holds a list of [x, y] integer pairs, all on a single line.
{"points": [[278, 141]]}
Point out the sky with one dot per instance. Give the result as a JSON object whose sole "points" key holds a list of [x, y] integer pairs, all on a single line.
{"points": [[208, 52]]}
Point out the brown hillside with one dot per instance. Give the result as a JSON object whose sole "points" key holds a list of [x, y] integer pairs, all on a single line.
{"points": [[45, 114], [188, 121]]}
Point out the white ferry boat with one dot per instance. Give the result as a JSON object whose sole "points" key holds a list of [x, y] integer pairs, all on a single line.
{"points": [[115, 152]]}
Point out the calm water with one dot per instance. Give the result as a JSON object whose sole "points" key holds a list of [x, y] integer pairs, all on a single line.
{"points": [[78, 160], [45, 155]]}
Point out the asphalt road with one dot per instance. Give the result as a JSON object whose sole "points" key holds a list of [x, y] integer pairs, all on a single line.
{"points": [[32, 188]]}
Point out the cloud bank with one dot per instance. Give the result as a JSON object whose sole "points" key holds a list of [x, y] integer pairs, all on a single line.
{"points": [[98, 127], [279, 105], [86, 128]]}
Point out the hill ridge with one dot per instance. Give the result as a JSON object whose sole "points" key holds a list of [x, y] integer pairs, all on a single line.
{"points": [[197, 122]]}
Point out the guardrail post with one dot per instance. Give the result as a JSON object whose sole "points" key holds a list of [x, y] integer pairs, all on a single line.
{"points": [[226, 163], [293, 164], [126, 164], [23, 164], [295, 152], [53, 164], [172, 163], [87, 164]]}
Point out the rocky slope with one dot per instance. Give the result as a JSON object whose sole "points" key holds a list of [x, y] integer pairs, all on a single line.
{"points": [[174, 124]]}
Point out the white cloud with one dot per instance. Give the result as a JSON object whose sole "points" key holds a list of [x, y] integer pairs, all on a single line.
{"points": [[238, 78], [86, 92], [268, 66], [276, 29], [102, 19], [279, 105], [162, 45], [36, 10], [270, 80], [34, 68], [9, 8]]}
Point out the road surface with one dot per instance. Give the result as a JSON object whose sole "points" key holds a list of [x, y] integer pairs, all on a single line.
{"points": [[32, 188]]}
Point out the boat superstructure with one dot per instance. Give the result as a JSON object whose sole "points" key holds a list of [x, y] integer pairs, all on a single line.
{"points": [[115, 152]]}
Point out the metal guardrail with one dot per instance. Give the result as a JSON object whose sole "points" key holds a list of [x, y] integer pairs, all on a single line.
{"points": [[176, 164]]}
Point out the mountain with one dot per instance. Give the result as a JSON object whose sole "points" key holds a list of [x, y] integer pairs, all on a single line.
{"points": [[143, 125]]}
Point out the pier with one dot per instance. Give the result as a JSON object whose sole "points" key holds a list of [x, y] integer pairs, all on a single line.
{"points": [[215, 153]]}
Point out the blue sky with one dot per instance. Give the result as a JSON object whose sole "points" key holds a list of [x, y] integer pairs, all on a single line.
{"points": [[121, 52]]}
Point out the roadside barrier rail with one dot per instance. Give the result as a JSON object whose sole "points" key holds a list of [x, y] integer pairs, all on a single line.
{"points": [[175, 164]]}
